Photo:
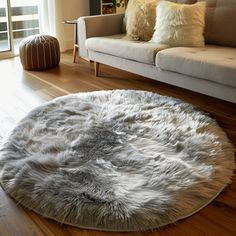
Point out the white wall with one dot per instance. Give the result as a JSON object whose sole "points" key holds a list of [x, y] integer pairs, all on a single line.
{"points": [[72, 9]]}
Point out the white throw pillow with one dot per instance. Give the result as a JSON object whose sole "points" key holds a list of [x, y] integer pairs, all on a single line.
{"points": [[180, 24], [141, 16]]}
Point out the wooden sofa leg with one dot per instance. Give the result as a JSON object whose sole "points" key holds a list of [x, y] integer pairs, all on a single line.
{"points": [[96, 68], [76, 47]]}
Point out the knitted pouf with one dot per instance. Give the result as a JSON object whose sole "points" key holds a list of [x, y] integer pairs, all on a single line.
{"points": [[39, 52]]}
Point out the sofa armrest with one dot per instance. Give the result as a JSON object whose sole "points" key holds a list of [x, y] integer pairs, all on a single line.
{"points": [[97, 26]]}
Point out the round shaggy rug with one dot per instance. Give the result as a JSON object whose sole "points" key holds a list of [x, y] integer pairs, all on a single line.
{"points": [[117, 160]]}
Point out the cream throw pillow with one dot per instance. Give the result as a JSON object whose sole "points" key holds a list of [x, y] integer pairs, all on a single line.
{"points": [[180, 24], [141, 16]]}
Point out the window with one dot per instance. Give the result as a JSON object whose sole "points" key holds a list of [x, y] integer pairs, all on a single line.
{"points": [[18, 19]]}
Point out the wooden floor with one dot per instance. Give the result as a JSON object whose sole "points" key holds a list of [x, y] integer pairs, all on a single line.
{"points": [[20, 91]]}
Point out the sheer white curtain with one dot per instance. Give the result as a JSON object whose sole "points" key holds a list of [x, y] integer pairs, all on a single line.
{"points": [[51, 18]]}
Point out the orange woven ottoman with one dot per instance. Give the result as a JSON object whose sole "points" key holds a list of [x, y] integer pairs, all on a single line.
{"points": [[39, 52]]}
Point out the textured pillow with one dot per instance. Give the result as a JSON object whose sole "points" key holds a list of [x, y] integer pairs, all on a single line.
{"points": [[180, 24], [130, 3], [141, 16]]}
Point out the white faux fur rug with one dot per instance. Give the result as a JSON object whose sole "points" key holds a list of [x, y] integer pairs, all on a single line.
{"points": [[117, 160]]}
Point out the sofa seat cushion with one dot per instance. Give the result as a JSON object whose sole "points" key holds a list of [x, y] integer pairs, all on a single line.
{"points": [[212, 62], [123, 47]]}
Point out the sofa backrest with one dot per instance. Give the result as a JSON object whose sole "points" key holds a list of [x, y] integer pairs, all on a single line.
{"points": [[220, 28], [220, 21]]}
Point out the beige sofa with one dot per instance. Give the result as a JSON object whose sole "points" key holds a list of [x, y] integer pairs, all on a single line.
{"points": [[209, 70]]}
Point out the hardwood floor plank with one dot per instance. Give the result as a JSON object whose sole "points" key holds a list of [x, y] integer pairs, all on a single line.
{"points": [[14, 220]]}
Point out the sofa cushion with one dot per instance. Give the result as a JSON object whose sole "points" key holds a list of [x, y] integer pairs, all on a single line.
{"points": [[124, 26], [212, 62], [220, 22], [141, 15], [180, 24], [120, 46]]}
